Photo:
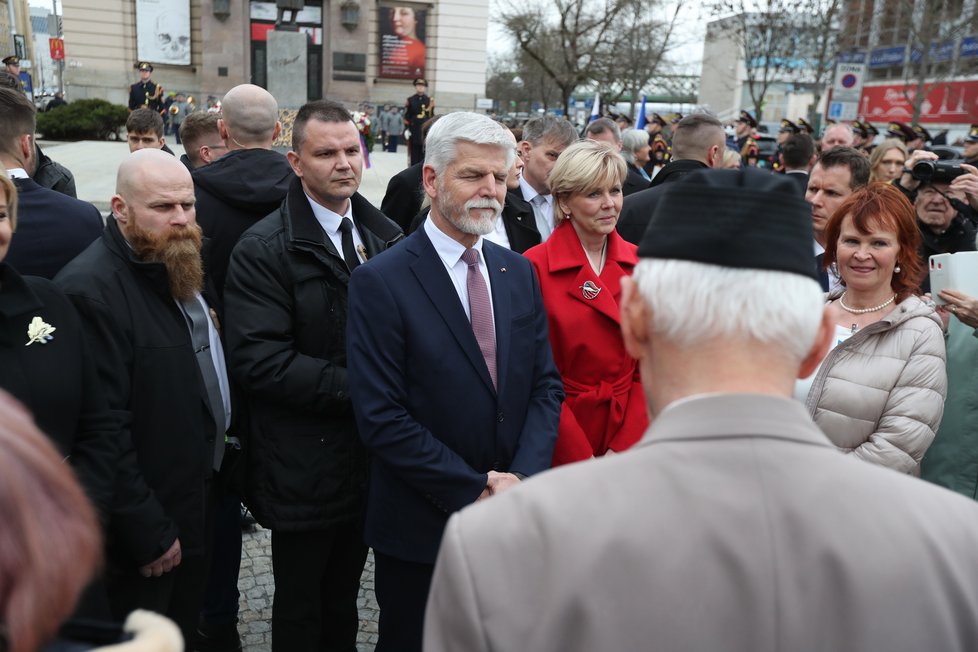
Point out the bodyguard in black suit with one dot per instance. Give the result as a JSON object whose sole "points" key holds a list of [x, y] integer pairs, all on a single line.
{"points": [[153, 333], [402, 202], [287, 297], [798, 157], [53, 228], [698, 142]]}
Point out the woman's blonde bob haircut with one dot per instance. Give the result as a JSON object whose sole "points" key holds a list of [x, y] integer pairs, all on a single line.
{"points": [[10, 190], [585, 166]]}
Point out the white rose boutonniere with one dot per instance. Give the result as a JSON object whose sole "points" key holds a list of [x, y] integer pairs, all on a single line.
{"points": [[39, 331]]}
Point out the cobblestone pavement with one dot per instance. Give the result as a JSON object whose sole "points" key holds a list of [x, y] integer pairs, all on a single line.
{"points": [[257, 588]]}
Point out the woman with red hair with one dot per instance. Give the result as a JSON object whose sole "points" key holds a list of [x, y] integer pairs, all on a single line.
{"points": [[49, 542], [879, 393]]}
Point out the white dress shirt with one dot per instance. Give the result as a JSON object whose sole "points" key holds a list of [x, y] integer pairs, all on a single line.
{"points": [[543, 209], [498, 235], [835, 281], [450, 252], [330, 222]]}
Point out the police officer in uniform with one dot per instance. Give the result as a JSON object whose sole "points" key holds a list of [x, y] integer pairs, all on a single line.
{"points": [[418, 108], [787, 129], [146, 92], [901, 131], [923, 138], [871, 133], [746, 145], [12, 65], [661, 151]]}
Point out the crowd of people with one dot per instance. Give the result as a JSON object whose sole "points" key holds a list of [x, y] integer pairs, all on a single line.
{"points": [[733, 373]]}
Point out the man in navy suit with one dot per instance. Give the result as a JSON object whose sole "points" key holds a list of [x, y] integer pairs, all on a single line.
{"points": [[451, 376], [53, 228]]}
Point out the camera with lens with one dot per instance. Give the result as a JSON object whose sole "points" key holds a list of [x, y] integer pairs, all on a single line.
{"points": [[937, 171]]}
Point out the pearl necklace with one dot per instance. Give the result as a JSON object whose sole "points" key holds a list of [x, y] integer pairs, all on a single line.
{"points": [[860, 311]]}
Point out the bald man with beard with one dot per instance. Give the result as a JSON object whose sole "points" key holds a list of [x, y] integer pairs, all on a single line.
{"points": [[153, 333], [247, 183]]}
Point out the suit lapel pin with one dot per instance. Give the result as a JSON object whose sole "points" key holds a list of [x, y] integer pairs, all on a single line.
{"points": [[363, 252], [502, 269], [590, 290]]}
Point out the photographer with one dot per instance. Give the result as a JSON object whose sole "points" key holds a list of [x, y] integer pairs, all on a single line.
{"points": [[945, 197]]}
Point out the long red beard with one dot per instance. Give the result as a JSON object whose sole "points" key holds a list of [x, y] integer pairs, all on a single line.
{"points": [[179, 251]]}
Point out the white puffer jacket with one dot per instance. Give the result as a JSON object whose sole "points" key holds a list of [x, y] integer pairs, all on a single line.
{"points": [[880, 394]]}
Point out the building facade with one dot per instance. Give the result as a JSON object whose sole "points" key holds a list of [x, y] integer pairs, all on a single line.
{"points": [[919, 57], [724, 88], [356, 51]]}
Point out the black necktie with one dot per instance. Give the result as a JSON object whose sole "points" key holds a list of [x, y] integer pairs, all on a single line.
{"points": [[349, 252], [823, 275]]}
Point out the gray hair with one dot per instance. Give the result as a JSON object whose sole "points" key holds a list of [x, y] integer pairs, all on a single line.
{"points": [[602, 125], [544, 127], [631, 141], [781, 309], [441, 146]]}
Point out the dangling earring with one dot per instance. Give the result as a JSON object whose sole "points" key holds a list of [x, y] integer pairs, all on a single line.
{"points": [[896, 270]]}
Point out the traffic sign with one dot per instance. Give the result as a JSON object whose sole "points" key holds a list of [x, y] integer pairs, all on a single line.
{"points": [[843, 111], [848, 84]]}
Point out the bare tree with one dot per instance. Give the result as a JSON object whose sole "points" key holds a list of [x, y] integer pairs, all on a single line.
{"points": [[566, 38], [637, 55], [932, 32], [782, 41], [820, 44]]}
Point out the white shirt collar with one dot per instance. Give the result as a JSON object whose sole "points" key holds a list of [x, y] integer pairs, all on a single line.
{"points": [[327, 219], [529, 192], [448, 249], [18, 173]]}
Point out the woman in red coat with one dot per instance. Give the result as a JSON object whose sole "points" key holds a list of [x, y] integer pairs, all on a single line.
{"points": [[580, 268]]}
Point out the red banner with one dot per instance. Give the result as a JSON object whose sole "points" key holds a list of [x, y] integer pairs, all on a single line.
{"points": [[57, 46], [953, 102]]}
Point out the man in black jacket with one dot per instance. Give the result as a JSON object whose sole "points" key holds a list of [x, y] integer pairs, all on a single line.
{"points": [[153, 333], [54, 228], [246, 184], [286, 295], [233, 193], [698, 142]]}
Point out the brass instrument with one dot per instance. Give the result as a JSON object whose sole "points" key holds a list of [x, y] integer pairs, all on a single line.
{"points": [[155, 95], [174, 109]]}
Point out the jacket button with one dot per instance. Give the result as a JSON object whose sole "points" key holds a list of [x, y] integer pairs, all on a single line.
{"points": [[499, 416]]}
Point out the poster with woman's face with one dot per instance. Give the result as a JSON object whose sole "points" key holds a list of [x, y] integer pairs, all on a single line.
{"points": [[402, 42]]}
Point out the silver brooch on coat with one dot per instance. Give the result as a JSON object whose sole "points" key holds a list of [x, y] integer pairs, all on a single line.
{"points": [[590, 290]]}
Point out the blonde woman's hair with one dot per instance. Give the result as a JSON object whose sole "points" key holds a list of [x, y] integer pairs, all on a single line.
{"points": [[585, 166], [880, 151], [11, 191]]}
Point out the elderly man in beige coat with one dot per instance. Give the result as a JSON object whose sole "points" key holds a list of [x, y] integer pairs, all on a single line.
{"points": [[734, 524]]}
